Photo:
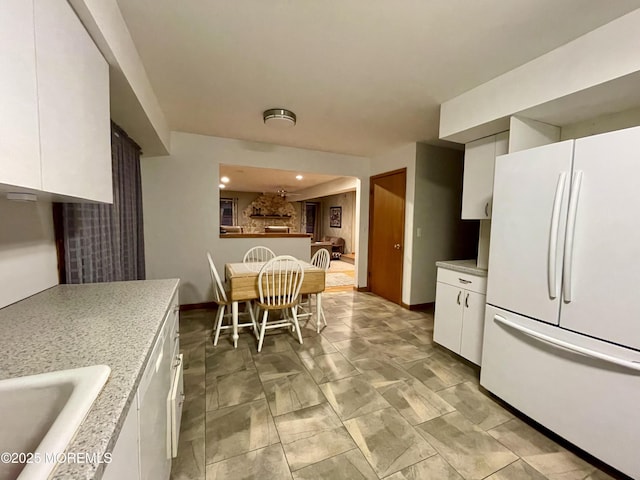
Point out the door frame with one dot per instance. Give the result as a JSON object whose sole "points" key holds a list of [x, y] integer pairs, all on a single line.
{"points": [[372, 178]]}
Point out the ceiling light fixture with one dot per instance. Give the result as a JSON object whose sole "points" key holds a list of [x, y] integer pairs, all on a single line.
{"points": [[279, 118], [298, 177], [224, 179], [222, 185]]}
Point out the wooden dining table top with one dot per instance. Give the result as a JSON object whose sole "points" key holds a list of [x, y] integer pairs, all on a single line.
{"points": [[243, 279]]}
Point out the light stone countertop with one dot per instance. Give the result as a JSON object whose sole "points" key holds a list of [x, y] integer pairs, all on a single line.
{"points": [[71, 326], [463, 266]]}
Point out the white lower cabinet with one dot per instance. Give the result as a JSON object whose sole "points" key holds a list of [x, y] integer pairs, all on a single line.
{"points": [[125, 458], [149, 437], [459, 313]]}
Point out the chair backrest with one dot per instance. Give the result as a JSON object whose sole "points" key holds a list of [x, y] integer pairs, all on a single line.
{"points": [[279, 281], [219, 294], [258, 254], [321, 259]]}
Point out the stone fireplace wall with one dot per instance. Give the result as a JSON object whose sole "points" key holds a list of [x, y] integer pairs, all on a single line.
{"points": [[261, 212]]}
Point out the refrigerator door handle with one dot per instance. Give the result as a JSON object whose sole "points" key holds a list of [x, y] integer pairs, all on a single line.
{"points": [[569, 239], [569, 346], [552, 256]]}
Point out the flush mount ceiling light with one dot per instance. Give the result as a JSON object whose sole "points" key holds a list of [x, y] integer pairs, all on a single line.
{"points": [[224, 179], [279, 118], [298, 177]]}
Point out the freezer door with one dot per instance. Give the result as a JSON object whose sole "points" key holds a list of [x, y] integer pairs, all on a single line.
{"points": [[602, 265], [587, 393], [530, 196]]}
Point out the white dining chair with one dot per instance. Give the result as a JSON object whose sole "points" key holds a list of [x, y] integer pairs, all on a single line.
{"points": [[221, 297], [258, 254], [322, 260], [279, 283]]}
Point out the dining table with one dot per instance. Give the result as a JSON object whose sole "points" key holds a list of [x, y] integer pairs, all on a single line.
{"points": [[242, 279]]}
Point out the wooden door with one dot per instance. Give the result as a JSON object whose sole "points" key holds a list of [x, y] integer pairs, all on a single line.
{"points": [[386, 234]]}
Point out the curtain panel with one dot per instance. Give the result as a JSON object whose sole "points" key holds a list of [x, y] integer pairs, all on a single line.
{"points": [[105, 243]]}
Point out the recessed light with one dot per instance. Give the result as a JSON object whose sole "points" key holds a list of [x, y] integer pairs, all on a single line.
{"points": [[222, 185], [298, 177], [224, 179]]}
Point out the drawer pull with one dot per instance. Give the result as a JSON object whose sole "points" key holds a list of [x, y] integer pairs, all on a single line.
{"points": [[462, 280]]}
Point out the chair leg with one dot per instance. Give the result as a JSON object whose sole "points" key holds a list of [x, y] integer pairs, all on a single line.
{"points": [[294, 312], [219, 317], [263, 329], [324, 320]]}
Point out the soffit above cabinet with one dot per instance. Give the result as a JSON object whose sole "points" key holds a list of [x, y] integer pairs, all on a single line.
{"points": [[594, 75]]}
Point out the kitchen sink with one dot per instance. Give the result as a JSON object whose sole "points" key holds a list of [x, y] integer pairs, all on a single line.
{"points": [[41, 414]]}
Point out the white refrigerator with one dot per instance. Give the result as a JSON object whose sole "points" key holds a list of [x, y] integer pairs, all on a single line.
{"points": [[562, 326]]}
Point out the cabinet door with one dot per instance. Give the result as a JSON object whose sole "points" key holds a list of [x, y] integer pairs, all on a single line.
{"points": [[73, 100], [19, 140], [125, 456], [479, 157], [155, 463], [472, 326], [479, 161], [448, 316]]}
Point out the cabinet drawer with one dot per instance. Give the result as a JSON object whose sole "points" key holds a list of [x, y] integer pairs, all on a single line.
{"points": [[173, 321], [472, 283], [175, 401]]}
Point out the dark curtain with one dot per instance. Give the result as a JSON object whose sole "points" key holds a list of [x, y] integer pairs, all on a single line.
{"points": [[105, 243]]}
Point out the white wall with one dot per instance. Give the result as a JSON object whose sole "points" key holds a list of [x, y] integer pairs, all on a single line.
{"points": [[437, 204], [402, 157], [28, 261], [347, 201], [181, 202], [333, 187], [601, 124]]}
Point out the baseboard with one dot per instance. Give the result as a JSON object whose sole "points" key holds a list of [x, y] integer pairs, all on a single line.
{"points": [[429, 306], [361, 289], [196, 306]]}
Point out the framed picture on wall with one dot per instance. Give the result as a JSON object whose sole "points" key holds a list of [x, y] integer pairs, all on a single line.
{"points": [[335, 217]]}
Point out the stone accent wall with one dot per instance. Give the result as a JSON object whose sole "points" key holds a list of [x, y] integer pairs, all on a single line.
{"points": [[269, 204]]}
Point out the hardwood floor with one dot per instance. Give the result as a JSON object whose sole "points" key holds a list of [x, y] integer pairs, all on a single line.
{"points": [[370, 397]]}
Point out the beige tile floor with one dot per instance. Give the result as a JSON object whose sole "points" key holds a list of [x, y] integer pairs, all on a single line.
{"points": [[370, 397]]}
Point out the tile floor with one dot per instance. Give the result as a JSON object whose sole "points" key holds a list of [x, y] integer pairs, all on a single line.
{"points": [[370, 397]]}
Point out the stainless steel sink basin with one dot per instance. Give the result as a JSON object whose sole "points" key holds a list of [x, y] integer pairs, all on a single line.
{"points": [[41, 414]]}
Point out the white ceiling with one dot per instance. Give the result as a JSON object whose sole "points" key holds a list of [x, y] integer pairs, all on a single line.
{"points": [[269, 180], [362, 75]]}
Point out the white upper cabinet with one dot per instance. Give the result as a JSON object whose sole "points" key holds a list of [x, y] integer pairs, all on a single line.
{"points": [[479, 161], [73, 98], [19, 138], [54, 104]]}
